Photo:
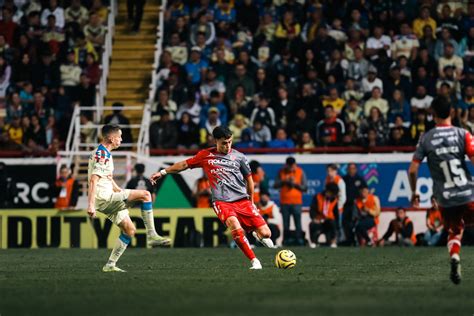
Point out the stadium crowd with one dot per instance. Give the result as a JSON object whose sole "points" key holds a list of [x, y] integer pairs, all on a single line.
{"points": [[49, 62], [311, 73]]}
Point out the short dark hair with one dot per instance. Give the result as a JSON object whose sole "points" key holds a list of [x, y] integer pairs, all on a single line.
{"points": [[332, 166], [441, 107], [290, 161], [221, 132], [140, 168], [109, 129], [332, 187]]}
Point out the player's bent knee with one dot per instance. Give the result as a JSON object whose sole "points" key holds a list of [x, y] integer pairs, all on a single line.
{"points": [[146, 196], [265, 232]]}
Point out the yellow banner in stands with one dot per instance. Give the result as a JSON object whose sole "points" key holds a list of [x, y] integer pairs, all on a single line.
{"points": [[53, 229]]}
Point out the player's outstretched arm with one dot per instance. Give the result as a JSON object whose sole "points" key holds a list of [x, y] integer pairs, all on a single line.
{"points": [[91, 195], [175, 168], [412, 176]]}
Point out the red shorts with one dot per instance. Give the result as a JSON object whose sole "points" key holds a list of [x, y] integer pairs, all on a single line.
{"points": [[457, 217], [247, 214]]}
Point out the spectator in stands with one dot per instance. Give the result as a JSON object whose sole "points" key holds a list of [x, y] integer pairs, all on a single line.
{"points": [[196, 67], [398, 107], [46, 73], [188, 133], [371, 81], [55, 10], [140, 182], [291, 180], [260, 133], [92, 70], [70, 74], [419, 126], [271, 213], [22, 71], [422, 21], [15, 108], [209, 123], [88, 131], [164, 104], [82, 48], [212, 84], [352, 112], [405, 44], [358, 67], [421, 100], [202, 192], [118, 118], [450, 59], [95, 31], [263, 113], [403, 229], [247, 15], [301, 124], [53, 36], [305, 142], [86, 91], [203, 26], [330, 127], [135, 13], [334, 100], [376, 101], [8, 27], [26, 96], [36, 133], [368, 211], [191, 106], [102, 11], [163, 133], [434, 223], [5, 74], [76, 13], [281, 140], [323, 213], [66, 190], [240, 79], [215, 102], [240, 103], [14, 130], [237, 126], [379, 41]]}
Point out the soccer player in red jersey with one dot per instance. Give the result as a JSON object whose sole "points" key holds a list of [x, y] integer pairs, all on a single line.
{"points": [[446, 148], [232, 191]]}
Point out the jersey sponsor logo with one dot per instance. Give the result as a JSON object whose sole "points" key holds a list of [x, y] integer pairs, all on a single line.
{"points": [[214, 162]]}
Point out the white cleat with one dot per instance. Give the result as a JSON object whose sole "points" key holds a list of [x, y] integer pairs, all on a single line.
{"points": [[256, 265], [267, 242], [111, 268], [333, 245], [158, 241]]}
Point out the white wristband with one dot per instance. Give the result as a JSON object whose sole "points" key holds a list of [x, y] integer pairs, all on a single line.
{"points": [[163, 172]]}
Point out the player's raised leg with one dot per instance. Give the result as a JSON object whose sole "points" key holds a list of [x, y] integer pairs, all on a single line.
{"points": [[238, 235], [127, 232], [153, 239]]}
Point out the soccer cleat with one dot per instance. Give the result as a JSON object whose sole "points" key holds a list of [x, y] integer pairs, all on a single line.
{"points": [[256, 265], [111, 268], [333, 245], [267, 242], [158, 241], [455, 275]]}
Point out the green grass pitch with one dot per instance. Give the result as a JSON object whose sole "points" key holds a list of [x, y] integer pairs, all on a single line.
{"points": [[388, 281]]}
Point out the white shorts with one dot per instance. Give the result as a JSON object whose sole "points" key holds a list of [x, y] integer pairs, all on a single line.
{"points": [[113, 204]]}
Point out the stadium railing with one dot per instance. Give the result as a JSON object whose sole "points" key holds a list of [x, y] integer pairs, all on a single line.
{"points": [[107, 52], [144, 135]]}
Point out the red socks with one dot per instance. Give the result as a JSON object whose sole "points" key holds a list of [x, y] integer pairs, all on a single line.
{"points": [[239, 237], [454, 245]]}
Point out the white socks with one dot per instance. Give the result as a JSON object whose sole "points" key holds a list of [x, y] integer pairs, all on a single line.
{"points": [[148, 219], [122, 242]]}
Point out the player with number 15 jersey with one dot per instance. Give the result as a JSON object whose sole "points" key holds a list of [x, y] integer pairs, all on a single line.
{"points": [[446, 148]]}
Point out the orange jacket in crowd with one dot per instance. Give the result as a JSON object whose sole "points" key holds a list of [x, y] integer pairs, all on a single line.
{"points": [[322, 208], [68, 192], [291, 194], [433, 216], [203, 200], [371, 203], [256, 189]]}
